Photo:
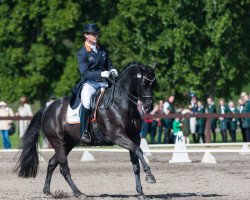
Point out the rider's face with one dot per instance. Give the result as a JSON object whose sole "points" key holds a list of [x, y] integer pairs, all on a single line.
{"points": [[91, 38]]}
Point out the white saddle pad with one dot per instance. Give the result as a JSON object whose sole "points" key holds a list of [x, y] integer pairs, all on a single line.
{"points": [[73, 116]]}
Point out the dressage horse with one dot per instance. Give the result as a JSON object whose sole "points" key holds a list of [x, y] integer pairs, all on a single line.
{"points": [[118, 121]]}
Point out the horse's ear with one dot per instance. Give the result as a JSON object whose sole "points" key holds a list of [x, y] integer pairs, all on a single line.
{"points": [[154, 65]]}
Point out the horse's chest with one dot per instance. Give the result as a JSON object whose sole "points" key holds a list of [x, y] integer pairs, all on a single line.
{"points": [[136, 121]]}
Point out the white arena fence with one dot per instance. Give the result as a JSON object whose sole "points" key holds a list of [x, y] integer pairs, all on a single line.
{"points": [[201, 145], [153, 150]]}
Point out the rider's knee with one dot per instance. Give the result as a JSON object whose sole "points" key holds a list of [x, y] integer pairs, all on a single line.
{"points": [[87, 92], [86, 104]]}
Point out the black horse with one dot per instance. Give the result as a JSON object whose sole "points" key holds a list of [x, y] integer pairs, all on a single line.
{"points": [[118, 122]]}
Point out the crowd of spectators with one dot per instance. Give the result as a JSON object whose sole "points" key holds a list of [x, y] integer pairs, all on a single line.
{"points": [[24, 110], [5, 111], [166, 129]]}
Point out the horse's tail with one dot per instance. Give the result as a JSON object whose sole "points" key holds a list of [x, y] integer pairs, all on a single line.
{"points": [[27, 165]]}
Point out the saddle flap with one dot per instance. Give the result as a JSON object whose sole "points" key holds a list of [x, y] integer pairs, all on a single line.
{"points": [[73, 115], [94, 98], [94, 102]]}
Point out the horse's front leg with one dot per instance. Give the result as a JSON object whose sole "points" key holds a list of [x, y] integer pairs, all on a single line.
{"points": [[126, 143], [136, 167]]}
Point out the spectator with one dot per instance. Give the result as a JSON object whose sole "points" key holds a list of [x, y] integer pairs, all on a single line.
{"points": [[52, 98], [168, 108], [146, 125], [194, 109], [176, 128], [24, 111], [223, 121], [186, 125], [154, 124], [5, 111], [200, 127], [159, 124], [240, 108], [242, 95], [212, 109], [246, 120], [232, 122]]}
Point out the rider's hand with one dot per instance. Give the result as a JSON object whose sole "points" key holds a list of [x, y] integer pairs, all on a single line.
{"points": [[105, 74], [114, 71]]}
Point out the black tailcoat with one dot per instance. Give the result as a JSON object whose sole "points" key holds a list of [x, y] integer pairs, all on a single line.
{"points": [[90, 64]]}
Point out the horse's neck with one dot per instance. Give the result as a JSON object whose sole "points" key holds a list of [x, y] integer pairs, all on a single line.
{"points": [[127, 83], [124, 85]]}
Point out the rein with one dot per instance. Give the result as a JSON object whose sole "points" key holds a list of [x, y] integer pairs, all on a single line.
{"points": [[125, 91]]}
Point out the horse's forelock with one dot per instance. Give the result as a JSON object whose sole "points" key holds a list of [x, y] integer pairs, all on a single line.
{"points": [[134, 64]]}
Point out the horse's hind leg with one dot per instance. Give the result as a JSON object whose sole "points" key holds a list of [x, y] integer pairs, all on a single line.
{"points": [[53, 162], [136, 167], [64, 169]]}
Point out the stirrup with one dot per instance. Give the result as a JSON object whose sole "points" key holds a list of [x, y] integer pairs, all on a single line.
{"points": [[85, 137]]}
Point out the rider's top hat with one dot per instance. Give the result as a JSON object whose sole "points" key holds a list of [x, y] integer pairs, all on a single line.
{"points": [[52, 97], [91, 28]]}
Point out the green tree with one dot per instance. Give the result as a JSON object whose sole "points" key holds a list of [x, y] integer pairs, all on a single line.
{"points": [[34, 47], [39, 40], [201, 46]]}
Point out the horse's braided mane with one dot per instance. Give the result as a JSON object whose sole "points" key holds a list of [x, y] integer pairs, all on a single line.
{"points": [[131, 64]]}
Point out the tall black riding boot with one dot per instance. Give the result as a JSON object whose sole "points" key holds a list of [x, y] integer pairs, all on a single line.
{"points": [[84, 134]]}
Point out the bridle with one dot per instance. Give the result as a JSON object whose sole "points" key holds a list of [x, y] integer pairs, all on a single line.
{"points": [[150, 82], [130, 96]]}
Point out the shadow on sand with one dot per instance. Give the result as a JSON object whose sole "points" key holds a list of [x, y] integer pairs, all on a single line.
{"points": [[158, 196]]}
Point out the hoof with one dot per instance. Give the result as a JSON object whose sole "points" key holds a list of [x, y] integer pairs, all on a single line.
{"points": [[150, 179], [83, 197], [47, 193], [142, 197], [80, 195]]}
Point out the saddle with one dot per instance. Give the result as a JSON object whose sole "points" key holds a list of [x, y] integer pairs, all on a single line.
{"points": [[73, 115], [94, 103]]}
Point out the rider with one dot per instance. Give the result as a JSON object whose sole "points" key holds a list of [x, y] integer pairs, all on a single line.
{"points": [[95, 66]]}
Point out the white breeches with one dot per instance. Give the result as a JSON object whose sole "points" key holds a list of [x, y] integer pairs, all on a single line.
{"points": [[89, 89], [193, 125]]}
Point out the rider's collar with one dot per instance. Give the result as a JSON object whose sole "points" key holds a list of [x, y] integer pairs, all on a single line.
{"points": [[89, 46]]}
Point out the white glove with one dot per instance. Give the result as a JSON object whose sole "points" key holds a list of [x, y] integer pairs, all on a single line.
{"points": [[114, 71], [105, 74]]}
